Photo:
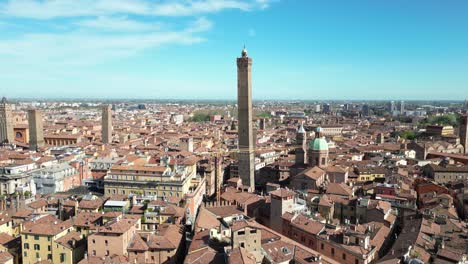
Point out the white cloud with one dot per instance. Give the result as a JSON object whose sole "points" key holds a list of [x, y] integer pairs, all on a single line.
{"points": [[121, 23], [85, 47], [200, 25], [187, 8], [70, 35], [50, 9], [263, 4]]}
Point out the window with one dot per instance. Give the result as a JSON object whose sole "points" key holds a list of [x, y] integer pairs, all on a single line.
{"points": [[49, 248], [25, 254], [241, 233], [107, 252], [62, 257], [242, 244], [253, 231], [333, 252], [26, 236], [36, 237], [107, 243], [322, 246], [26, 246], [48, 238], [37, 247], [37, 255], [344, 256], [94, 241], [49, 256], [356, 261], [94, 252]]}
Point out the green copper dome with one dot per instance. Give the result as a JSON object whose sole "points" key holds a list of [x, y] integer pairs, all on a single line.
{"points": [[318, 144]]}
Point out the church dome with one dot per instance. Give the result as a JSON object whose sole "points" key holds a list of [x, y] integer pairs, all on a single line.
{"points": [[319, 143]]}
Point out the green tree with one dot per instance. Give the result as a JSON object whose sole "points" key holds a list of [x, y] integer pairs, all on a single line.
{"points": [[27, 194], [264, 114], [200, 117], [409, 134], [444, 120]]}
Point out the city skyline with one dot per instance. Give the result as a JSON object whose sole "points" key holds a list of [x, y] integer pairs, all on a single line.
{"points": [[325, 51], [167, 182]]}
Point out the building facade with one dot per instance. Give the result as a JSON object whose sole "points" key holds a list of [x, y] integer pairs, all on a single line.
{"points": [[160, 181], [17, 178], [39, 241], [57, 178], [62, 139]]}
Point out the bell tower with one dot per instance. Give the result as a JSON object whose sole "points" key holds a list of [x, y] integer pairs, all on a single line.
{"points": [[246, 157], [301, 145], [318, 150]]}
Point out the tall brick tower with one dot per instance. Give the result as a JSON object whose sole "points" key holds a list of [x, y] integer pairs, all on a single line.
{"points": [[246, 157], [106, 124], [464, 132], [7, 134], [301, 145], [36, 129]]}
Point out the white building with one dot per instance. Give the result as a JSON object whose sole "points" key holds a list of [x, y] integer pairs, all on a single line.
{"points": [[54, 179], [17, 178]]}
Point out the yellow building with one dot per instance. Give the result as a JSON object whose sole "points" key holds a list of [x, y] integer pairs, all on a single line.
{"points": [[159, 212], [6, 224], [38, 241], [369, 173], [437, 130], [163, 181], [69, 249]]}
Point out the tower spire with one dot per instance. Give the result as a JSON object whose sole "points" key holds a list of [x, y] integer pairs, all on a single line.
{"points": [[244, 52]]}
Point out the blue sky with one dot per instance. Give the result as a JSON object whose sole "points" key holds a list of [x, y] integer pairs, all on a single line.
{"points": [[301, 49]]}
